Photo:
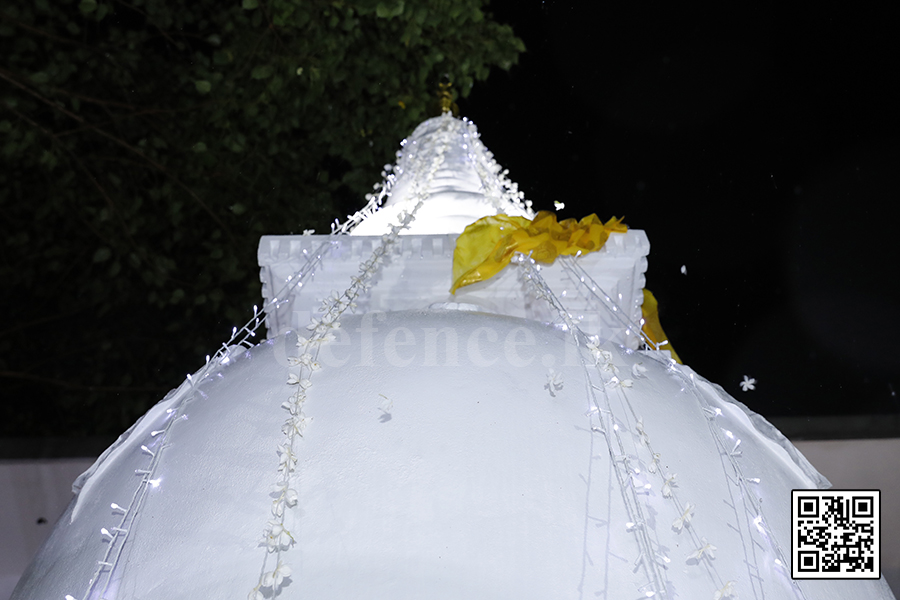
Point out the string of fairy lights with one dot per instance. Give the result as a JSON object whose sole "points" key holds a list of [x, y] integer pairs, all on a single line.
{"points": [[115, 536], [651, 558], [729, 449], [277, 538], [497, 188]]}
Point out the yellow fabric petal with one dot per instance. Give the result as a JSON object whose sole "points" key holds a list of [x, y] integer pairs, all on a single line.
{"points": [[484, 248], [488, 244], [652, 327]]}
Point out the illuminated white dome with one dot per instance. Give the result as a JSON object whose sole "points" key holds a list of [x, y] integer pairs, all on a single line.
{"points": [[507, 442]]}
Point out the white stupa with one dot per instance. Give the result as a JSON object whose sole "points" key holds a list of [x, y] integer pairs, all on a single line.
{"points": [[510, 441]]}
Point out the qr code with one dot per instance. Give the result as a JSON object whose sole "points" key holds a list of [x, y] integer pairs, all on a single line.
{"points": [[836, 534]]}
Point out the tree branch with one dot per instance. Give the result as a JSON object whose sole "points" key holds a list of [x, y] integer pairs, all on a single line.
{"points": [[41, 32], [149, 20], [8, 77]]}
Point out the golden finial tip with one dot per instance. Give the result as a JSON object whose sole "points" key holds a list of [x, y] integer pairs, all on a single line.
{"points": [[445, 97]]}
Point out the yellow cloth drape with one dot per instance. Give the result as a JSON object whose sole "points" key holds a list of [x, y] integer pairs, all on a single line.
{"points": [[652, 327], [488, 244]]}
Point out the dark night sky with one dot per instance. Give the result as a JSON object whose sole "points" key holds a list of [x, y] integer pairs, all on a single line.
{"points": [[757, 146]]}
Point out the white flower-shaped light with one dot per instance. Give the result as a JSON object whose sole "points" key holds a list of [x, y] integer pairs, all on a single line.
{"points": [[274, 579], [685, 517], [610, 379], [255, 594], [360, 282], [639, 427], [604, 359], [277, 537], [316, 326], [727, 591], [331, 301], [295, 405], [668, 484], [706, 549], [295, 425], [287, 457], [307, 361], [638, 370], [554, 381], [285, 498], [748, 383], [294, 379]]}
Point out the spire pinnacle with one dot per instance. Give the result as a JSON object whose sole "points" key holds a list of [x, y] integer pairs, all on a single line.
{"points": [[445, 96]]}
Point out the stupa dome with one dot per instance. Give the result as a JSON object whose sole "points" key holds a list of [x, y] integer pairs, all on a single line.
{"points": [[513, 440]]}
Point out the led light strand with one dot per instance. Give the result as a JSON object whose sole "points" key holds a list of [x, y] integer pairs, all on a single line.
{"points": [[758, 520], [383, 190], [574, 268], [727, 449], [684, 509], [130, 513], [732, 454], [118, 534], [669, 491], [276, 537], [668, 483], [240, 337], [500, 191], [632, 503]]}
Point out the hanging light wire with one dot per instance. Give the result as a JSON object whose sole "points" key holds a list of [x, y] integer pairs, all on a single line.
{"points": [[730, 452], [278, 538], [646, 552]]}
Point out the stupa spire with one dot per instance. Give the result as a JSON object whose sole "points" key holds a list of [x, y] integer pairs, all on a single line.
{"points": [[445, 97], [467, 185]]}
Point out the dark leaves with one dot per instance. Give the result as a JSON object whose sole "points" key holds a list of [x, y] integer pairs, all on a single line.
{"points": [[144, 148]]}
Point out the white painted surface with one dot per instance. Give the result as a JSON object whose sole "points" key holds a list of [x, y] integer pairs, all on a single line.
{"points": [[30, 489], [397, 497]]}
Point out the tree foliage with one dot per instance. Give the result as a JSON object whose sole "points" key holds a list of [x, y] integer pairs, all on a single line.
{"points": [[145, 145]]}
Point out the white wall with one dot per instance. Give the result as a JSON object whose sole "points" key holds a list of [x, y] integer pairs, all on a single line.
{"points": [[31, 490], [860, 465], [34, 489]]}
